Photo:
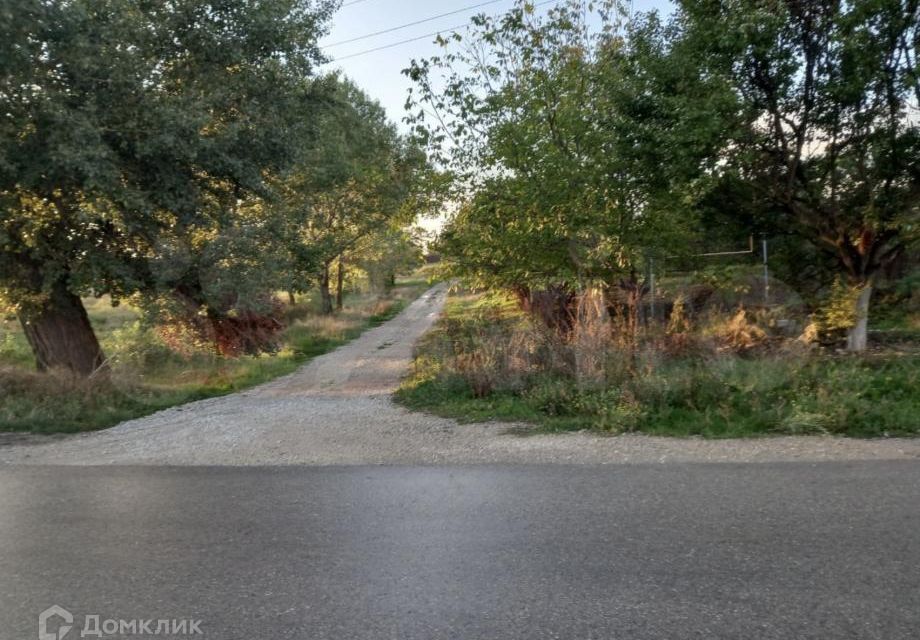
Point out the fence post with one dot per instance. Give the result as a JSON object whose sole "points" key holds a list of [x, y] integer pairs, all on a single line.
{"points": [[651, 285], [766, 273]]}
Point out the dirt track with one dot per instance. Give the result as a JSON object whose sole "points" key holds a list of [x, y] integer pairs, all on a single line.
{"points": [[337, 410]]}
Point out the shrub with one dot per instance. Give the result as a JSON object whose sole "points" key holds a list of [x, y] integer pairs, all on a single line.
{"points": [[740, 334], [249, 332], [553, 397], [837, 314], [137, 345]]}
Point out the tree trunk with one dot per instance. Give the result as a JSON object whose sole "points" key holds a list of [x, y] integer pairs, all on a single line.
{"points": [[556, 307], [858, 337], [61, 335], [292, 298], [340, 284], [325, 294]]}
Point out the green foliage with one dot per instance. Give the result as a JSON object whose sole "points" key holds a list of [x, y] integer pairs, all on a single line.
{"points": [[13, 348], [602, 409], [136, 345], [384, 254], [135, 148], [183, 155], [898, 304], [557, 151], [583, 147], [823, 132], [358, 184], [107, 147]]}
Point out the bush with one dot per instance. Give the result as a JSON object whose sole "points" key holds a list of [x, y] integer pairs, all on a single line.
{"points": [[138, 346], [58, 401], [740, 334], [836, 315]]}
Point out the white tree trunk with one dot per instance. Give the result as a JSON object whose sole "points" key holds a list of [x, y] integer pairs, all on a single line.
{"points": [[858, 337]]}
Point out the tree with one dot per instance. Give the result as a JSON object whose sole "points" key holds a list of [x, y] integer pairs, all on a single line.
{"points": [[825, 128], [121, 119], [218, 279], [387, 253], [548, 126], [360, 178]]}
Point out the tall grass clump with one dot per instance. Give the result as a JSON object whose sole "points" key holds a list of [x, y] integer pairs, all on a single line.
{"points": [[721, 373]]}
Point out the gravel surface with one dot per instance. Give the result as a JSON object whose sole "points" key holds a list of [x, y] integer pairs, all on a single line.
{"points": [[337, 410]]}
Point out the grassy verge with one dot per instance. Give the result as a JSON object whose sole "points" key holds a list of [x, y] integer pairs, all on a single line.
{"points": [[148, 377], [482, 362]]}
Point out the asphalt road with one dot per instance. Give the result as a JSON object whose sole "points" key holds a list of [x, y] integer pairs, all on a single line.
{"points": [[789, 550]]}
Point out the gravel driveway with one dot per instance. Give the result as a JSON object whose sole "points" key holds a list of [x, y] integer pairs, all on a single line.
{"points": [[337, 410]]}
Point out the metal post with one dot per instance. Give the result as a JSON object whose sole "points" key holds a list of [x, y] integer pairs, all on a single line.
{"points": [[766, 273], [651, 281]]}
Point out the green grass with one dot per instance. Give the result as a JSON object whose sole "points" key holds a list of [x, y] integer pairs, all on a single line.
{"points": [[148, 377], [714, 396]]}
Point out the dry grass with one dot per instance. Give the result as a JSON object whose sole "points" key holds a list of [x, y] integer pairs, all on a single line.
{"points": [[717, 375], [148, 375]]}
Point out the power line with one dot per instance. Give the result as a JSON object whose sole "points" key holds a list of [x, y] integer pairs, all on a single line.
{"points": [[412, 24], [401, 42], [416, 39], [348, 4]]}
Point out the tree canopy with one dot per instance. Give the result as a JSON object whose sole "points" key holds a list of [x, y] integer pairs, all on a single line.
{"points": [[358, 178], [826, 127], [587, 141], [186, 155]]}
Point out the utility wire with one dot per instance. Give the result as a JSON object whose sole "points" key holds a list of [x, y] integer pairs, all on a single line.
{"points": [[348, 4], [412, 24], [416, 39], [401, 42]]}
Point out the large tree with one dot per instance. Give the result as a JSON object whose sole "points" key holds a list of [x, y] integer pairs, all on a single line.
{"points": [[826, 128], [121, 122], [573, 167]]}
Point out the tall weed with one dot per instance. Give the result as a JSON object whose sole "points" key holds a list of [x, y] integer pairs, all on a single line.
{"points": [[720, 375]]}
